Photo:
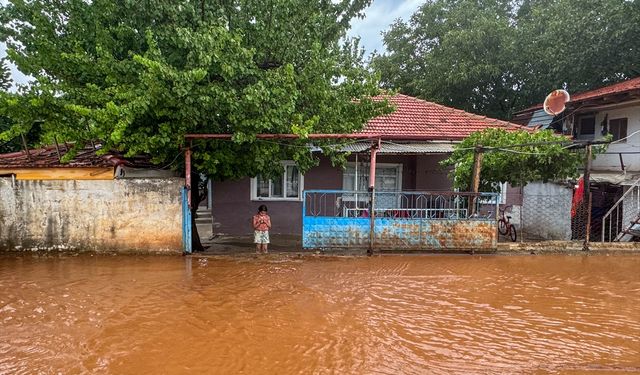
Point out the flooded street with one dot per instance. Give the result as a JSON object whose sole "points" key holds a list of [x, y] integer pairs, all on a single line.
{"points": [[381, 315]]}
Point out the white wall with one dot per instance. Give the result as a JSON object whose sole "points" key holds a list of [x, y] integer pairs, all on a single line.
{"points": [[611, 162], [546, 211]]}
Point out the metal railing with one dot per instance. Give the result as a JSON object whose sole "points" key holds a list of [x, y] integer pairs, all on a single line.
{"points": [[448, 205], [622, 214]]}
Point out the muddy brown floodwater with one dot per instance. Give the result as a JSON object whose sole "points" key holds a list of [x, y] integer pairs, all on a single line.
{"points": [[275, 315]]}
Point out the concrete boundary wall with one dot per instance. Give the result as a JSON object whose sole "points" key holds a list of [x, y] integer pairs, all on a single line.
{"points": [[546, 212], [128, 215]]}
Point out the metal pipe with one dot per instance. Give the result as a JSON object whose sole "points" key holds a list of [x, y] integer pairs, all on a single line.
{"points": [[187, 174], [331, 136], [372, 191]]}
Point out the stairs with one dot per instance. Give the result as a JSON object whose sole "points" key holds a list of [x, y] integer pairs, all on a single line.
{"points": [[205, 225], [622, 222], [631, 231]]}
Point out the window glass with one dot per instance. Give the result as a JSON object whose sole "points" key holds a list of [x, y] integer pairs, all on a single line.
{"points": [[262, 186], [292, 181], [387, 178], [276, 188], [587, 126], [288, 185], [618, 128]]}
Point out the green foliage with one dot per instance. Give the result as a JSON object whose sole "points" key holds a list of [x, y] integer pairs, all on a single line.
{"points": [[139, 75], [546, 158], [5, 75], [496, 56]]}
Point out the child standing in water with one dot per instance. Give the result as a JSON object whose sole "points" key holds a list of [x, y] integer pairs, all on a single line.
{"points": [[261, 226]]}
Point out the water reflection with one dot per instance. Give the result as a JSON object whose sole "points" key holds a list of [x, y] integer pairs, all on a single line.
{"points": [[382, 315]]}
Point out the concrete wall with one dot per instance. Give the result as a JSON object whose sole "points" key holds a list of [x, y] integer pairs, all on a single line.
{"points": [[546, 212], [109, 215]]}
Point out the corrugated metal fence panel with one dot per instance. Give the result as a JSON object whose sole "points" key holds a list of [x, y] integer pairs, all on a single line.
{"points": [[399, 234], [339, 232], [413, 221], [425, 234]]}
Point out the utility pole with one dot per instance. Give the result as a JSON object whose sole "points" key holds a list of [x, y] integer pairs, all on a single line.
{"points": [[587, 194], [475, 181]]}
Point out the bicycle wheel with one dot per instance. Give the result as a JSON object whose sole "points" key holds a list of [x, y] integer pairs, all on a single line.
{"points": [[502, 227], [513, 234]]}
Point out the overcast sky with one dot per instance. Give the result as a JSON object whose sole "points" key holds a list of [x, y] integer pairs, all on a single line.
{"points": [[378, 18]]}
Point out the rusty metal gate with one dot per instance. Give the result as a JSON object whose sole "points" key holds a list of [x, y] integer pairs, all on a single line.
{"points": [[401, 220]]}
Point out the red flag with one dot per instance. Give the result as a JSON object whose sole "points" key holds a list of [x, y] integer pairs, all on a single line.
{"points": [[578, 194]]}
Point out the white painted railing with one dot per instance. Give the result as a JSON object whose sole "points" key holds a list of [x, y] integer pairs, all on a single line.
{"points": [[621, 216]]}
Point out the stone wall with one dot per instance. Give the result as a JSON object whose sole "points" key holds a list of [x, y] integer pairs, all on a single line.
{"points": [[128, 215]]}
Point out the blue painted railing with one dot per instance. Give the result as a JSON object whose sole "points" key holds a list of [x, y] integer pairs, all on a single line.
{"points": [[403, 220], [186, 223]]}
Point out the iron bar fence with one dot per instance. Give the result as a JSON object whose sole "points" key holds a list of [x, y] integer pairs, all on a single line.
{"points": [[401, 204]]}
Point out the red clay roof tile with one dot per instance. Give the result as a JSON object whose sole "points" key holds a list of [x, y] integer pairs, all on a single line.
{"points": [[47, 157], [616, 88], [417, 118]]}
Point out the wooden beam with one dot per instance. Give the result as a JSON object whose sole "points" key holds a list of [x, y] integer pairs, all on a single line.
{"points": [[475, 181]]}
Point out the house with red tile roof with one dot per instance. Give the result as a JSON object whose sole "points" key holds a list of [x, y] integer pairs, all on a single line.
{"points": [[414, 139], [590, 116]]}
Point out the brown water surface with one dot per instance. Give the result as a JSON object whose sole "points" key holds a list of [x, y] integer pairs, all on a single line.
{"points": [[273, 315]]}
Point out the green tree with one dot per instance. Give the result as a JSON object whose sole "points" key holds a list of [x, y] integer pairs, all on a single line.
{"points": [[5, 75], [6, 145], [138, 75], [547, 157], [496, 56]]}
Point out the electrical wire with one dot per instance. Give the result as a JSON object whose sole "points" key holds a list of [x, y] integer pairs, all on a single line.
{"points": [[625, 138]]}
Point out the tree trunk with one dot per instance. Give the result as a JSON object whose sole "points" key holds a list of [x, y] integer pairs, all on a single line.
{"points": [[196, 198]]}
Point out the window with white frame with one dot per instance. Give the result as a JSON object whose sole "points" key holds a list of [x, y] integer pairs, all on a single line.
{"points": [[388, 177], [288, 186]]}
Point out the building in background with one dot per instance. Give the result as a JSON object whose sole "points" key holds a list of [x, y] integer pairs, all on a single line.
{"points": [[615, 176]]}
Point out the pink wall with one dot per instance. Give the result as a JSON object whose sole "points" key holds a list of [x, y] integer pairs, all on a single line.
{"points": [[430, 175], [233, 207]]}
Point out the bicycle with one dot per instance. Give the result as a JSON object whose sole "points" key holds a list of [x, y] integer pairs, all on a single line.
{"points": [[505, 227]]}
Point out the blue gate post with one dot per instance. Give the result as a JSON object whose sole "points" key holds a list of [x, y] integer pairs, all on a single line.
{"points": [[186, 223]]}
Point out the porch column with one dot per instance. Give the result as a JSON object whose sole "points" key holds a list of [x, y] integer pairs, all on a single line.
{"points": [[187, 174], [372, 189]]}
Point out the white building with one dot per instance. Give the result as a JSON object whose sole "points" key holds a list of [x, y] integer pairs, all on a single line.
{"points": [[615, 177]]}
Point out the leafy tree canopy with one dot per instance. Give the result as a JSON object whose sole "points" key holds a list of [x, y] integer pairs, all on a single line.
{"points": [[496, 56], [547, 158], [138, 75]]}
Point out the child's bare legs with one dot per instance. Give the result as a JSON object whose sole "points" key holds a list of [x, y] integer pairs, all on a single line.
{"points": [[258, 248], [264, 247]]}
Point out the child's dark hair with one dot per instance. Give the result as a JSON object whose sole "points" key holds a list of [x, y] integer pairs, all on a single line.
{"points": [[262, 208]]}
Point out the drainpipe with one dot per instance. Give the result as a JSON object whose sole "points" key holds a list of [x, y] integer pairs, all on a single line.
{"points": [[372, 189], [187, 174]]}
